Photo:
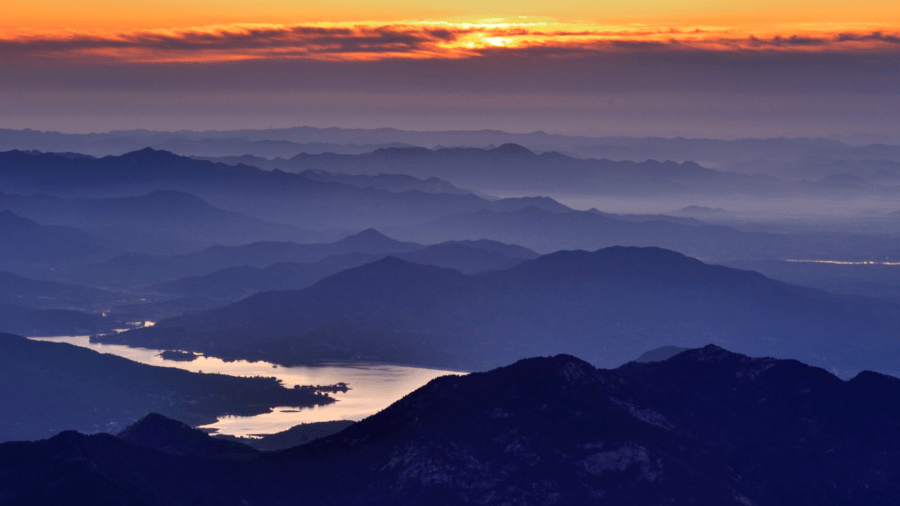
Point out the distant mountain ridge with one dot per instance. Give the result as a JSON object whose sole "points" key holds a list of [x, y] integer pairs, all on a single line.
{"points": [[511, 168], [546, 232], [290, 141], [391, 182], [274, 196]]}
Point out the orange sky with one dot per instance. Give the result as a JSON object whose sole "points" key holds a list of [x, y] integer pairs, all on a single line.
{"points": [[674, 67], [217, 30], [149, 14]]}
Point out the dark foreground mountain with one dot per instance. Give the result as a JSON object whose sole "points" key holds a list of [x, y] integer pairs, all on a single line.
{"points": [[48, 387], [705, 427], [162, 433], [607, 306], [295, 436], [168, 435]]}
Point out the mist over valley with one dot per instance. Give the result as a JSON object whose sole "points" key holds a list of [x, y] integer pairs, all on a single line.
{"points": [[459, 317]]}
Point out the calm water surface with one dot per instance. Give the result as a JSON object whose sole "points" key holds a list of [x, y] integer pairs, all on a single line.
{"points": [[373, 387]]}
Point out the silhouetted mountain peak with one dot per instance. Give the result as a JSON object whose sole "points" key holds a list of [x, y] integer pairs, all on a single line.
{"points": [[365, 237], [618, 259], [373, 241], [162, 433], [512, 149], [152, 423], [390, 273], [633, 264], [573, 370], [712, 353], [149, 154]]}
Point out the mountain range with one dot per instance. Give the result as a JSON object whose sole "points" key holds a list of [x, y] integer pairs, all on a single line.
{"points": [[287, 142], [391, 182], [706, 426], [274, 196], [136, 269], [606, 306], [546, 232], [234, 283], [512, 168]]}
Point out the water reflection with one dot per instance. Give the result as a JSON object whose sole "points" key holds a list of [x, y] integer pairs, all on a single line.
{"points": [[373, 387]]}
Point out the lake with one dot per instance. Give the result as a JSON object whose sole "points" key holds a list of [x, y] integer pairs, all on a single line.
{"points": [[372, 387]]}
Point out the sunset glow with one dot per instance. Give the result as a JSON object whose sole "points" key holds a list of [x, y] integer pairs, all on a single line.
{"points": [[366, 41], [291, 59]]}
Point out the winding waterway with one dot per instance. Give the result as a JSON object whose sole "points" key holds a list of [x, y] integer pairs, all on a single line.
{"points": [[372, 387]]}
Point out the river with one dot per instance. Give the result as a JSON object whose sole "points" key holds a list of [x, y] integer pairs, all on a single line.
{"points": [[372, 387]]}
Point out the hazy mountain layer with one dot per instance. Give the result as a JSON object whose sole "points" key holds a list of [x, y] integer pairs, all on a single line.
{"points": [[235, 283], [52, 322], [391, 182], [546, 232], [511, 168], [160, 222], [290, 141], [269, 195], [607, 306], [132, 269], [26, 242], [704, 427], [38, 294]]}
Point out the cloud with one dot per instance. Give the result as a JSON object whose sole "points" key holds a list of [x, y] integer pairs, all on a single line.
{"points": [[235, 43], [416, 40]]}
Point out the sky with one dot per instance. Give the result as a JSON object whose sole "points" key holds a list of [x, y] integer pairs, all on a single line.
{"points": [[644, 67]]}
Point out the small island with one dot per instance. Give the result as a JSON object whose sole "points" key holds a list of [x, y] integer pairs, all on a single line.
{"points": [[178, 356]]}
